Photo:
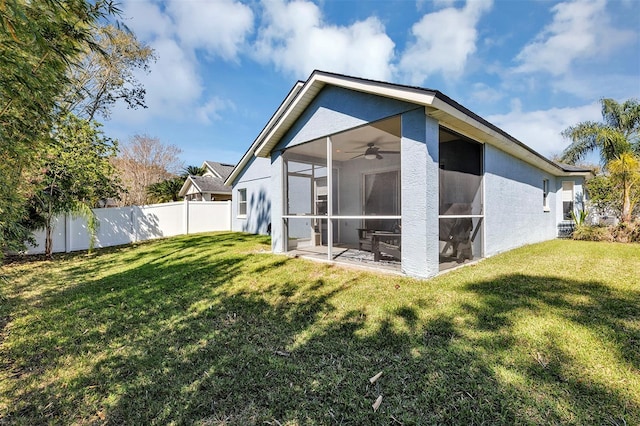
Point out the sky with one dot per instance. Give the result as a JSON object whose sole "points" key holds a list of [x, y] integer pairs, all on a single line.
{"points": [[533, 68]]}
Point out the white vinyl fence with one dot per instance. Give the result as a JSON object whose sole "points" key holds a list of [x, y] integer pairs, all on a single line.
{"points": [[123, 225]]}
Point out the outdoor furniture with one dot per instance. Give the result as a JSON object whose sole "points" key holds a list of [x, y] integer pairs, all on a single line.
{"points": [[387, 243], [456, 231], [365, 237]]}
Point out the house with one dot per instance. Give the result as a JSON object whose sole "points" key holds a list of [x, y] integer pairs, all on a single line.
{"points": [[210, 186], [404, 174]]}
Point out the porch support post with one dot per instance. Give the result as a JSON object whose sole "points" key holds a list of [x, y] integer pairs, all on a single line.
{"points": [[419, 189], [278, 200], [329, 199]]}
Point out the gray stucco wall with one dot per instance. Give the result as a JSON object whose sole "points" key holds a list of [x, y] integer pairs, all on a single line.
{"points": [[256, 179], [419, 182], [278, 231], [514, 214]]}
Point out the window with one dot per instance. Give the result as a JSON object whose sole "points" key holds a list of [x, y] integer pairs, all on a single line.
{"points": [[242, 202], [545, 195], [567, 200]]}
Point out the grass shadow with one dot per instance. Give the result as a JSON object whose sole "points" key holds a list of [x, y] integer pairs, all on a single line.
{"points": [[189, 333]]}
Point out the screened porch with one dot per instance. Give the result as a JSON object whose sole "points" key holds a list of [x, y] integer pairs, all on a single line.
{"points": [[343, 197]]}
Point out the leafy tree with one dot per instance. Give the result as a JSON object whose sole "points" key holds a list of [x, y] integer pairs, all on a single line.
{"points": [[143, 161], [617, 139], [100, 78], [76, 172], [602, 195], [38, 42]]}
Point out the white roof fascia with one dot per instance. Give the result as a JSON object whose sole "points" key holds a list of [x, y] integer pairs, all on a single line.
{"points": [[205, 165], [185, 186], [447, 114]]}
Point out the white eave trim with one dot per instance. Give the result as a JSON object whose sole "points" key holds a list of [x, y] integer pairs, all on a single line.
{"points": [[444, 112], [185, 186]]}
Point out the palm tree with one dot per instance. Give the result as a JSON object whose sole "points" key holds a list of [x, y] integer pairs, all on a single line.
{"points": [[193, 171], [165, 191], [618, 140], [625, 173], [619, 133]]}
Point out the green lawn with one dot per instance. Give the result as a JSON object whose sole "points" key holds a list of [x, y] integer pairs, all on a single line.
{"points": [[211, 329]]}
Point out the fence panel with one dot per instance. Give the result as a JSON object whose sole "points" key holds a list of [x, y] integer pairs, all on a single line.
{"points": [[58, 236], [159, 220], [123, 225], [209, 216]]}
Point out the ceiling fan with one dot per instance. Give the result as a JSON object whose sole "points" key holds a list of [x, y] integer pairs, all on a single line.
{"points": [[373, 152]]}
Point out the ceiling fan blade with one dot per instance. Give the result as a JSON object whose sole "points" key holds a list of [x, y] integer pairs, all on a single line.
{"points": [[357, 156], [389, 152]]}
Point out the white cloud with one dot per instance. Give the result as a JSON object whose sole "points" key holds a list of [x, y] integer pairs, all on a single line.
{"points": [[295, 38], [444, 40], [210, 111], [172, 85], [588, 85], [580, 29], [147, 20], [481, 92], [541, 129], [176, 31], [219, 27]]}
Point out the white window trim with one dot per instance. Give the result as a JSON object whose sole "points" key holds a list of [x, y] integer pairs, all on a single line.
{"points": [[545, 196], [573, 196], [242, 201]]}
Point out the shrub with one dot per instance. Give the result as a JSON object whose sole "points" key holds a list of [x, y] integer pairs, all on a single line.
{"points": [[622, 233], [627, 232], [593, 233]]}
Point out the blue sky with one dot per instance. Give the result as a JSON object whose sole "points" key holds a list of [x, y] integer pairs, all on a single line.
{"points": [[532, 68]]}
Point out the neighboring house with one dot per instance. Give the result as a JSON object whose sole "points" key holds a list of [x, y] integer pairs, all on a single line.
{"points": [[210, 186], [349, 164]]}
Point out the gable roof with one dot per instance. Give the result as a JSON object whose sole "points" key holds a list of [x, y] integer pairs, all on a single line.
{"points": [[437, 105], [204, 185], [211, 184], [221, 170]]}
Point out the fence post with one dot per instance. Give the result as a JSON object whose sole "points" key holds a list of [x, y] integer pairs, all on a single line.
{"points": [[186, 216], [134, 224], [67, 233], [230, 215]]}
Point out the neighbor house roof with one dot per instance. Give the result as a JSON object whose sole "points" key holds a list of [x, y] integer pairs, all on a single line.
{"points": [[437, 105], [211, 183], [222, 170]]}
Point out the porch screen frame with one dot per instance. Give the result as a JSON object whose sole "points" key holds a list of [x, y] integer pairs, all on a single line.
{"points": [[480, 228], [330, 217]]}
